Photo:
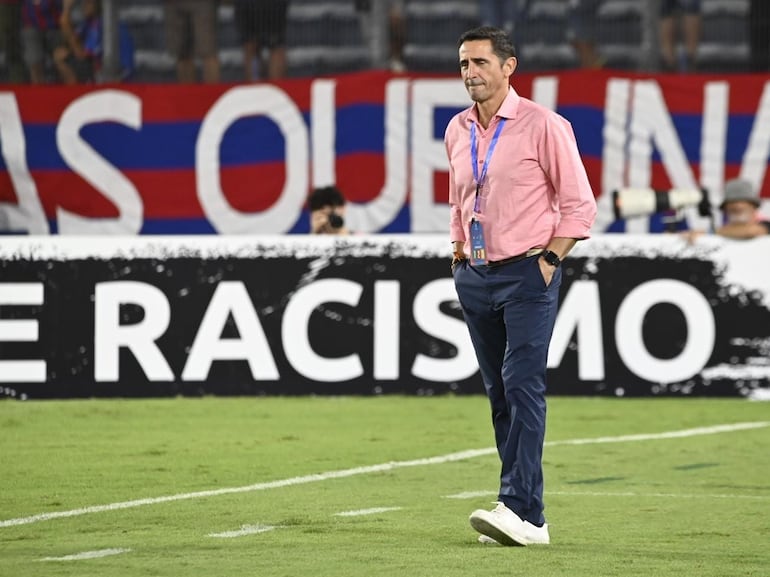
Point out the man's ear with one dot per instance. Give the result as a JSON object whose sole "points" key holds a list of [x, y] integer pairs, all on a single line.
{"points": [[510, 66]]}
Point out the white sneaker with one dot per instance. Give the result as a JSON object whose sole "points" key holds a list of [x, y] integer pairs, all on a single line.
{"points": [[537, 535], [507, 528], [484, 540]]}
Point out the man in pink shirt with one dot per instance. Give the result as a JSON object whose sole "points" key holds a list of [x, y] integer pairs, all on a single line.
{"points": [[519, 200]]}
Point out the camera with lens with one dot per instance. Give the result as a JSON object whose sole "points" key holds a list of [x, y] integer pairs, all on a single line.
{"points": [[335, 220], [630, 202]]}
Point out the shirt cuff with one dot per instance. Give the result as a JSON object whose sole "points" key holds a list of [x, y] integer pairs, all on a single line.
{"points": [[577, 229], [457, 235]]}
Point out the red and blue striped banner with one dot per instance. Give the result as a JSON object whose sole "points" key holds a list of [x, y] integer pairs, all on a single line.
{"points": [[194, 159]]}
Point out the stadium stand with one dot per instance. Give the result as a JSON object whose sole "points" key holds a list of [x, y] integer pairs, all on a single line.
{"points": [[325, 37], [540, 37], [724, 36], [621, 34], [433, 27]]}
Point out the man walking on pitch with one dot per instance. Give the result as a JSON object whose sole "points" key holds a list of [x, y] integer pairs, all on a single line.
{"points": [[519, 200]]}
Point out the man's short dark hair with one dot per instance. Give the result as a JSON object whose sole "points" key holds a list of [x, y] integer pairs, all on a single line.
{"points": [[501, 42], [326, 196]]}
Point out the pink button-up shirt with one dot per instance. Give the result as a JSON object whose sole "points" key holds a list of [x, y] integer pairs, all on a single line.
{"points": [[536, 186]]}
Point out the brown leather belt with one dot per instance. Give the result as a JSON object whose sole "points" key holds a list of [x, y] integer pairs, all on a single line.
{"points": [[518, 257]]}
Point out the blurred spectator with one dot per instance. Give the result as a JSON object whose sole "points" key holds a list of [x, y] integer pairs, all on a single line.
{"points": [[40, 34], [191, 30], [668, 33], [759, 32], [79, 60], [741, 211], [397, 18], [262, 26], [740, 207], [327, 211], [582, 32], [373, 14], [10, 39], [498, 13]]}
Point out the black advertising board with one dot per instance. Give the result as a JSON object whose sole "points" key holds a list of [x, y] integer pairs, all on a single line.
{"points": [[286, 315]]}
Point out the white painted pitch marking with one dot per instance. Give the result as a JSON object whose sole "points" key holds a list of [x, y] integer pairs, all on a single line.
{"points": [[451, 457], [87, 555], [470, 494], [658, 495], [475, 494], [244, 530], [341, 474], [659, 436], [372, 511]]}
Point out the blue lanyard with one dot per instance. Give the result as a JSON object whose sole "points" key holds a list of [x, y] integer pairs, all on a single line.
{"points": [[475, 158]]}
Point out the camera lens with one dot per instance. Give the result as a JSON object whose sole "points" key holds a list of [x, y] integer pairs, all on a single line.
{"points": [[335, 220]]}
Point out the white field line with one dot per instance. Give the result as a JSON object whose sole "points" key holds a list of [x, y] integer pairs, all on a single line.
{"points": [[344, 473], [87, 555], [460, 456], [244, 530], [476, 494], [668, 435], [471, 495], [372, 511], [659, 495]]}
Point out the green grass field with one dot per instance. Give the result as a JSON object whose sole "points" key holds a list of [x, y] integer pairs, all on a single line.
{"points": [[690, 505]]}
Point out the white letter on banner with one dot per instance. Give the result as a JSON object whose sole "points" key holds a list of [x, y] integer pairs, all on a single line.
{"points": [[378, 213], [428, 152], [430, 319], [100, 106], [545, 91], [701, 331], [580, 310], [651, 122], [387, 307], [323, 132], [757, 152], [139, 338], [713, 143], [28, 215], [230, 298], [294, 331], [237, 103], [25, 294], [613, 149]]}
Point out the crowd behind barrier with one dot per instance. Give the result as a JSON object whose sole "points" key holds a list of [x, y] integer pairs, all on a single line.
{"points": [[236, 40]]}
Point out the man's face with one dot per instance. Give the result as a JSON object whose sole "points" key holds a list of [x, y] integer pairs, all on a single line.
{"points": [[319, 220], [482, 72], [740, 212]]}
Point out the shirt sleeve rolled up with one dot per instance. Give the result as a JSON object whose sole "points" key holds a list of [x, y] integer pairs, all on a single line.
{"points": [[561, 161]]}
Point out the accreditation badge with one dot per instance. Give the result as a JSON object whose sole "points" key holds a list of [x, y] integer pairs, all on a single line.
{"points": [[478, 246]]}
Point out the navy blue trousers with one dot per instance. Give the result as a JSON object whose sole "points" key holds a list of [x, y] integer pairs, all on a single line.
{"points": [[510, 314]]}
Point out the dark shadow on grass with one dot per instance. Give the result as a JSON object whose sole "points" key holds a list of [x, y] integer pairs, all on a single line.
{"points": [[595, 481]]}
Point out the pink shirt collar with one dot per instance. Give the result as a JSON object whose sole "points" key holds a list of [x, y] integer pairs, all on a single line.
{"points": [[508, 109]]}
